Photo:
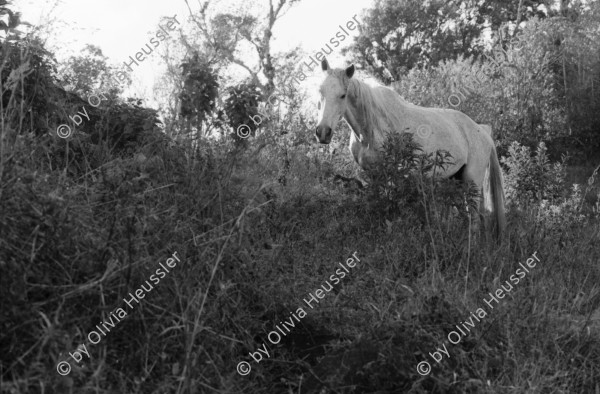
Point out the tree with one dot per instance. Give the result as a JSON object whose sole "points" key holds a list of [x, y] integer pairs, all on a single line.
{"points": [[27, 76], [226, 33], [90, 72], [241, 105], [199, 93], [574, 38], [398, 35]]}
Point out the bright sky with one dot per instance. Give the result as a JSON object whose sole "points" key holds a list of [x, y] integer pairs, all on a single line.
{"points": [[122, 27]]}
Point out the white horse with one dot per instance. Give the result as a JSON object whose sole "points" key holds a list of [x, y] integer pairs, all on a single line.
{"points": [[372, 112]]}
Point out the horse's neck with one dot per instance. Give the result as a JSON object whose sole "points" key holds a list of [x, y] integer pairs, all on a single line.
{"points": [[359, 124], [355, 125], [370, 134]]}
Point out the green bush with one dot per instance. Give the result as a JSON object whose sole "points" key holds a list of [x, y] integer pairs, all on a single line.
{"points": [[405, 179], [532, 178]]}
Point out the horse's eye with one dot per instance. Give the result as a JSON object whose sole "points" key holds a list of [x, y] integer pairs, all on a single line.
{"points": [[343, 96]]}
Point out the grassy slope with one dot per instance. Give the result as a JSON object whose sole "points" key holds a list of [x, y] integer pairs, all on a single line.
{"points": [[72, 247]]}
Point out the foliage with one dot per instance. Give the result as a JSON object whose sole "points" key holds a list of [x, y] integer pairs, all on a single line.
{"points": [[535, 185], [575, 43], [200, 89], [562, 212], [405, 177], [531, 179], [253, 254], [82, 226], [398, 36], [124, 127], [89, 72], [240, 106], [28, 84], [529, 109], [10, 23], [228, 28], [500, 14], [222, 35], [281, 133], [389, 182]]}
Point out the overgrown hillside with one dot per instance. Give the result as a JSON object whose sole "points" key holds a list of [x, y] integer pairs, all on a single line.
{"points": [[134, 259]]}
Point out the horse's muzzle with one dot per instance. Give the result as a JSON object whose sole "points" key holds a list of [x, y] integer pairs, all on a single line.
{"points": [[323, 134]]}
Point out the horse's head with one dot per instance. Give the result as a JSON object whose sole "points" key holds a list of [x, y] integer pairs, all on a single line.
{"points": [[332, 103]]}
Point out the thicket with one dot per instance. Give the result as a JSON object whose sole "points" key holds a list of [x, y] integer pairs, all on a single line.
{"points": [[539, 87]]}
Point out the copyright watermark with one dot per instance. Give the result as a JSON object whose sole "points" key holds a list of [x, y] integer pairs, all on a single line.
{"points": [[63, 368], [424, 368], [64, 131], [243, 368], [283, 328], [424, 131], [243, 131], [114, 318]]}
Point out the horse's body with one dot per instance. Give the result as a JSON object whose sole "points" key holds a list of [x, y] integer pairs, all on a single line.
{"points": [[372, 112]]}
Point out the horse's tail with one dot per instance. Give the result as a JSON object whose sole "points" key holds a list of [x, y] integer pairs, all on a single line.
{"points": [[497, 193]]}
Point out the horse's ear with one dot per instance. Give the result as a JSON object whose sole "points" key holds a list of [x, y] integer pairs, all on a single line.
{"points": [[324, 64], [350, 71]]}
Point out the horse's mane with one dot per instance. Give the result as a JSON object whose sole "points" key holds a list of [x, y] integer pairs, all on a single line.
{"points": [[378, 107]]}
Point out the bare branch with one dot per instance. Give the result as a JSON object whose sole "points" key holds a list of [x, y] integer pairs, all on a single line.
{"points": [[519, 16], [262, 44]]}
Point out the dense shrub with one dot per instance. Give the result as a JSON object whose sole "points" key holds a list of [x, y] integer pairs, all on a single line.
{"points": [[28, 85], [532, 178], [200, 90], [241, 105], [535, 184], [405, 180]]}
